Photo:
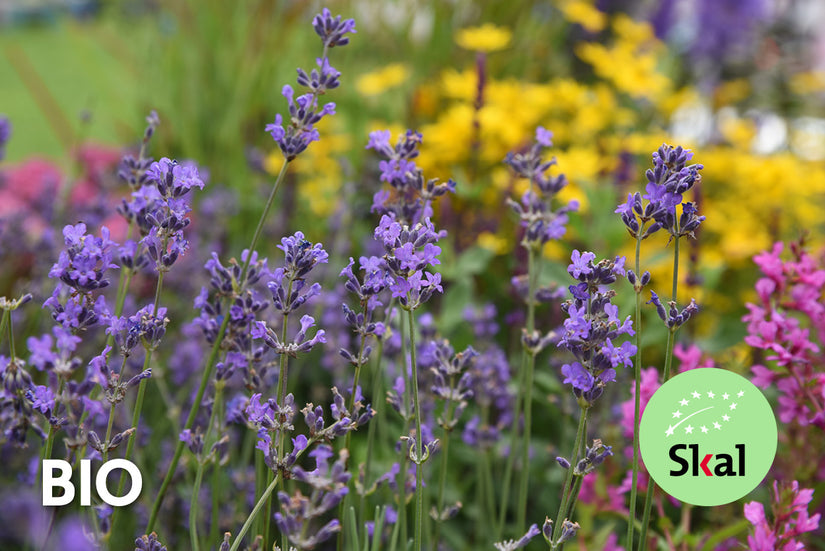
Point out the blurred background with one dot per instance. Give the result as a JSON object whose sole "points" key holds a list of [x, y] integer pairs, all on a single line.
{"points": [[742, 82]]}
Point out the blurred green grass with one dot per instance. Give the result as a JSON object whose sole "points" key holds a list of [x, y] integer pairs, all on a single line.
{"points": [[77, 67]]}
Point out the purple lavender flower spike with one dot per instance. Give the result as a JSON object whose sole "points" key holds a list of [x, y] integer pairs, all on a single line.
{"points": [[593, 326], [669, 179], [408, 252], [294, 135], [541, 221], [412, 195], [83, 263], [333, 30]]}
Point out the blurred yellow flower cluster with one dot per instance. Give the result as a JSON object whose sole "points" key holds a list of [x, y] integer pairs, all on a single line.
{"points": [[386, 78], [486, 38], [585, 14], [750, 200], [626, 106], [631, 62]]}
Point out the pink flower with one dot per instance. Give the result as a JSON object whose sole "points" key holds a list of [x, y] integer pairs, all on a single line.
{"points": [[791, 520]]}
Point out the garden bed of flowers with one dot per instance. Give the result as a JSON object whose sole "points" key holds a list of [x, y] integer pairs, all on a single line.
{"points": [[434, 329]]}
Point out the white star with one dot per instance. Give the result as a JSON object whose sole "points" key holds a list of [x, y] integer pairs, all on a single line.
{"points": [[716, 425], [725, 396], [669, 431], [711, 394], [725, 418], [740, 393], [677, 414], [688, 430], [696, 395], [733, 405], [683, 402], [704, 429]]}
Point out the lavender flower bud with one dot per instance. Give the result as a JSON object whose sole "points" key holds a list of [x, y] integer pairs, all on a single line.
{"points": [[149, 543], [94, 441], [568, 531], [547, 529], [119, 438], [332, 30], [660, 309]]}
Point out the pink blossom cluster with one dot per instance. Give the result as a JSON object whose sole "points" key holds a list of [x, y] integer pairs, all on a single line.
{"points": [[790, 519], [789, 325]]}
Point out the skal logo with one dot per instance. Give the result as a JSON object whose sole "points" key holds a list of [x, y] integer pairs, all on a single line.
{"points": [[64, 480], [708, 436]]}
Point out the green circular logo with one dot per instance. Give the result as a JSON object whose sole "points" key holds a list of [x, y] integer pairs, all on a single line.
{"points": [[708, 436]]}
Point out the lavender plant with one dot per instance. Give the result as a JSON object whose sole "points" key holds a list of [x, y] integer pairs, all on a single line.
{"points": [[293, 137], [669, 179], [592, 326], [256, 457], [409, 250], [541, 221]]}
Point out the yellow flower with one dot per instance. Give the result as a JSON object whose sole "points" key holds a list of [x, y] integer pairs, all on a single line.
{"points": [[426, 100], [378, 82], [486, 38], [737, 131], [492, 242], [585, 14], [631, 31], [732, 91], [459, 85], [810, 82]]}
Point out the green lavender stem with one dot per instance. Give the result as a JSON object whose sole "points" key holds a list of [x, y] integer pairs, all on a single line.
{"points": [[10, 329], [193, 510], [260, 488], [264, 497], [637, 403], [257, 509], [207, 445], [511, 457], [532, 277], [108, 432], [216, 471], [47, 452], [212, 359], [282, 392], [445, 450], [377, 380], [668, 361], [405, 462], [489, 494], [345, 502], [574, 459], [522, 389], [188, 425], [3, 322], [419, 461], [259, 229], [141, 392]]}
